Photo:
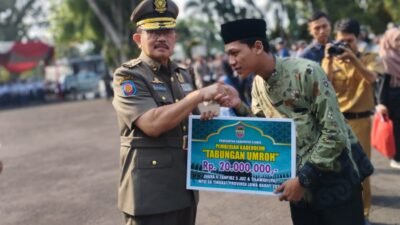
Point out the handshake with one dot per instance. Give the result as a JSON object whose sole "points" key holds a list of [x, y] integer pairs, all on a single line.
{"points": [[215, 96]]}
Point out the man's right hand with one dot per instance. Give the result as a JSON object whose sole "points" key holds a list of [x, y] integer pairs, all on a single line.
{"points": [[326, 54], [382, 110], [213, 91], [230, 98], [291, 190]]}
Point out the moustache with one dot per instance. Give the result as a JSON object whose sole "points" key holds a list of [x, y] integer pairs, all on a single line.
{"points": [[161, 46]]}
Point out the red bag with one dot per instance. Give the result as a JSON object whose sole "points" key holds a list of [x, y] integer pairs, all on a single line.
{"points": [[382, 137]]}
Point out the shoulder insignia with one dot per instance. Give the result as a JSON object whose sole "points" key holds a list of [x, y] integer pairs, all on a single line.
{"points": [[367, 53], [182, 66], [180, 78], [119, 79], [122, 78], [132, 63]]}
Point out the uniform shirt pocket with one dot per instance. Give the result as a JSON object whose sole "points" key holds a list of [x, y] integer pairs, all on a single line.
{"points": [[165, 98], [153, 159]]}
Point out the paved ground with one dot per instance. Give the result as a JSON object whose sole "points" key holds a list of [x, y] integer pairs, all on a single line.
{"points": [[61, 168]]}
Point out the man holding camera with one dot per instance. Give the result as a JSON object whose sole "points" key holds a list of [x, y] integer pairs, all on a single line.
{"points": [[352, 75]]}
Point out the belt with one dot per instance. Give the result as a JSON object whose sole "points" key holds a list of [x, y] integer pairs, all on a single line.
{"points": [[350, 116], [140, 142]]}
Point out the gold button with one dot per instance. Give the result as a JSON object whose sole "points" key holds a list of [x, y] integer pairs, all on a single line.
{"points": [[154, 162], [176, 100], [184, 128], [163, 98]]}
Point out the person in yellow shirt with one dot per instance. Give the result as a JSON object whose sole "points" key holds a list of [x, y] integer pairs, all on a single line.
{"points": [[352, 75]]}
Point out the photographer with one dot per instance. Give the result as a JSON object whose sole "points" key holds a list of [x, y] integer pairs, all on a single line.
{"points": [[352, 75]]}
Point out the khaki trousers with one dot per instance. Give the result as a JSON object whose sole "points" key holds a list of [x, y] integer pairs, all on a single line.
{"points": [[362, 129]]}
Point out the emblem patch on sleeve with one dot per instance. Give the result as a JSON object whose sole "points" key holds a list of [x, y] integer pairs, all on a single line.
{"points": [[128, 88]]}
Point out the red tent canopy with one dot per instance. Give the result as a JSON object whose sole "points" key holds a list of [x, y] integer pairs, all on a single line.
{"points": [[22, 57]]}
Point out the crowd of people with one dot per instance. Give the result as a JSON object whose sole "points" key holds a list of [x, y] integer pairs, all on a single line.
{"points": [[30, 91], [209, 69], [21, 92], [326, 86]]}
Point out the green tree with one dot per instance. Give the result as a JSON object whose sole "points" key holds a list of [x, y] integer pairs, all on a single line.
{"points": [[392, 7], [298, 11], [207, 15], [193, 32], [12, 14], [220, 11], [4, 75], [105, 23]]}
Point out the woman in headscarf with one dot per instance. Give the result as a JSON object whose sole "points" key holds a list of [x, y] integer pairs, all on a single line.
{"points": [[390, 104]]}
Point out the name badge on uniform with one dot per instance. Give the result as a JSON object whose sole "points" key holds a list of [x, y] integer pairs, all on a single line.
{"points": [[158, 85], [186, 87]]}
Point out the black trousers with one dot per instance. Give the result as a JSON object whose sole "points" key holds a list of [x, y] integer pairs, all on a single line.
{"points": [[186, 216], [394, 113], [348, 213], [396, 130]]}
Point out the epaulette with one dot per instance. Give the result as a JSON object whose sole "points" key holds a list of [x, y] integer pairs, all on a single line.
{"points": [[124, 72], [132, 63], [369, 54], [182, 67], [185, 69]]}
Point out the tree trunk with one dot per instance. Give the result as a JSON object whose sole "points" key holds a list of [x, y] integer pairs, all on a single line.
{"points": [[115, 36]]}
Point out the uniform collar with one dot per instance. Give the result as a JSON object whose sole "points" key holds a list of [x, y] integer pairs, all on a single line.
{"points": [[318, 45], [156, 66]]}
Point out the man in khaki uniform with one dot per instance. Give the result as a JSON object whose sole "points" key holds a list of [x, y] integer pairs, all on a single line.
{"points": [[326, 189], [352, 75], [153, 98]]}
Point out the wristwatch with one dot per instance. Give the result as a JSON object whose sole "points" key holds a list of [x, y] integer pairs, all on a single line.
{"points": [[304, 181], [308, 175]]}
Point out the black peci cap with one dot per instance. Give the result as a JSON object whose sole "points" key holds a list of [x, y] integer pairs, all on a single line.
{"points": [[243, 29], [155, 14]]}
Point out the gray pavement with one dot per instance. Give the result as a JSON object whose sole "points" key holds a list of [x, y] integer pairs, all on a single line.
{"points": [[61, 167]]}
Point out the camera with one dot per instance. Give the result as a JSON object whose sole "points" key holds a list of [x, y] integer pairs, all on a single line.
{"points": [[337, 48]]}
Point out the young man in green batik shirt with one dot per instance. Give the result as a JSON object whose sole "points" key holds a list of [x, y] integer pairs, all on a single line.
{"points": [[327, 188]]}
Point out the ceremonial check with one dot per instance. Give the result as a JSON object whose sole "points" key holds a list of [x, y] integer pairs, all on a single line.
{"points": [[240, 154]]}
